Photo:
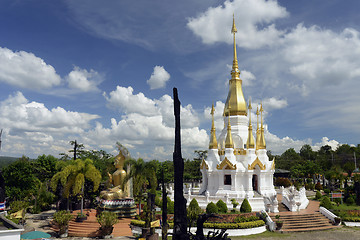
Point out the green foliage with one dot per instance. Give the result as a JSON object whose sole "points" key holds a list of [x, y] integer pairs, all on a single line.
{"points": [[102, 160], [45, 167], [240, 219], [18, 205], [20, 179], [245, 206], [170, 206], [138, 223], [107, 219], [212, 208], [72, 177], [62, 218], [193, 212], [325, 202], [351, 219], [158, 202], [350, 200], [280, 181], [242, 225], [234, 203], [221, 206], [143, 174], [318, 195], [44, 198]]}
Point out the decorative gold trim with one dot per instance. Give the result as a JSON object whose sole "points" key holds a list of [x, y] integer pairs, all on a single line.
{"points": [[239, 151], [226, 163], [204, 164], [273, 164], [221, 152], [256, 162]]}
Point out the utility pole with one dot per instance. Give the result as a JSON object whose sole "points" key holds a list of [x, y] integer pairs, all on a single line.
{"points": [[0, 138]]}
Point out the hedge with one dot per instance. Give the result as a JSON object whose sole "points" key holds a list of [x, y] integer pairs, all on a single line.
{"points": [[221, 206], [351, 219], [241, 219], [243, 225]]}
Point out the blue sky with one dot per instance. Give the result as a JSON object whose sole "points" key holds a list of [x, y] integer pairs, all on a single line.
{"points": [[103, 71]]}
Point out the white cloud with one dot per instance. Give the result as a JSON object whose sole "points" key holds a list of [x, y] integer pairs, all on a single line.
{"points": [[84, 80], [31, 128], [273, 103], [320, 57], [253, 18], [326, 141], [25, 70], [247, 78], [158, 78]]}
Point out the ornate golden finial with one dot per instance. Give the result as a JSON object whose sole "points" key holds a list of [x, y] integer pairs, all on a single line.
{"points": [[250, 142], [213, 142], [257, 129], [235, 99], [228, 141], [262, 144]]}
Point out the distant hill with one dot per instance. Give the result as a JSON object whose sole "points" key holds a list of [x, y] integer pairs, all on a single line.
{"points": [[4, 161]]}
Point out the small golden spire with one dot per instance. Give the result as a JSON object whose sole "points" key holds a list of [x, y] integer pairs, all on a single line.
{"points": [[250, 142], [235, 99], [257, 129], [262, 142], [213, 142], [228, 141]]}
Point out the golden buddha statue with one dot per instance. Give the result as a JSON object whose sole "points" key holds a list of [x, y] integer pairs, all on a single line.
{"points": [[118, 191]]}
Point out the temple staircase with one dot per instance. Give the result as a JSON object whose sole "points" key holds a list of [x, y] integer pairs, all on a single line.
{"points": [[309, 219], [305, 222]]}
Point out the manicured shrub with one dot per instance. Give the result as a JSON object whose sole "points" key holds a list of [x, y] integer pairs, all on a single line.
{"points": [[212, 208], [242, 225], [280, 181], [350, 200], [170, 206], [222, 206], [318, 186], [318, 195], [240, 219], [193, 212], [325, 202], [309, 186], [234, 203], [245, 206]]}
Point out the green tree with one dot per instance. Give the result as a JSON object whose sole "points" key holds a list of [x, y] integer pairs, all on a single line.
{"points": [[20, 179], [288, 159], [45, 167], [245, 206], [307, 153], [143, 175], [72, 177], [193, 212]]}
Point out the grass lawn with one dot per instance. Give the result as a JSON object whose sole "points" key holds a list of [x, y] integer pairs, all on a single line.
{"points": [[346, 207]]}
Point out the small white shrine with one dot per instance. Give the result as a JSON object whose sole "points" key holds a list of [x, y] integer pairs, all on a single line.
{"points": [[237, 165]]}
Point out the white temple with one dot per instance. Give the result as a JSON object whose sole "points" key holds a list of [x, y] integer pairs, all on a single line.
{"points": [[237, 165]]}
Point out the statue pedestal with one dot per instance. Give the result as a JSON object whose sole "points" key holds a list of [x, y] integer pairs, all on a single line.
{"points": [[123, 207]]}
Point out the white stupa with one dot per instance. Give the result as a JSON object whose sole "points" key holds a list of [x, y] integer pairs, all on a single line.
{"points": [[237, 165]]}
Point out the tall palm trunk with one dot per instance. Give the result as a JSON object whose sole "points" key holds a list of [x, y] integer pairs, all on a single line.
{"points": [[82, 200]]}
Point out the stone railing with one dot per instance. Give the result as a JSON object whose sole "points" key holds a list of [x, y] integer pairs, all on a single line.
{"points": [[268, 221], [294, 200], [332, 217]]}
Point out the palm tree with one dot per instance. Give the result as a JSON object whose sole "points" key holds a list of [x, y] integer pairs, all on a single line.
{"points": [[72, 177], [143, 174]]}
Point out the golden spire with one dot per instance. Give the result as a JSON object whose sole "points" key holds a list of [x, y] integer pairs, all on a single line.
{"points": [[213, 142], [257, 129], [262, 144], [250, 142], [235, 99], [228, 141]]}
